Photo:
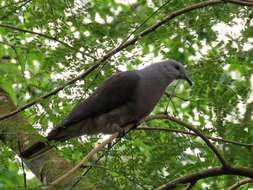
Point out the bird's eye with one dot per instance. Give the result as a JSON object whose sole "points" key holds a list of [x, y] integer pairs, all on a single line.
{"points": [[177, 67]]}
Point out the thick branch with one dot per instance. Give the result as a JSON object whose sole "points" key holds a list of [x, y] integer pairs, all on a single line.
{"points": [[120, 47], [196, 131], [240, 183], [193, 134], [191, 178]]}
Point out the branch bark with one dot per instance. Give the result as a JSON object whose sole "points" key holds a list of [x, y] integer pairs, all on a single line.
{"points": [[194, 177], [121, 47], [240, 183]]}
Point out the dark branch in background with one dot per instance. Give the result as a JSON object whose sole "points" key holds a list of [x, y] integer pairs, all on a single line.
{"points": [[194, 177], [198, 133], [45, 36], [119, 48], [12, 45], [159, 129], [240, 183]]}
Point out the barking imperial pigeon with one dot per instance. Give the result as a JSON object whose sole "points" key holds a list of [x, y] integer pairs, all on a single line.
{"points": [[125, 98]]}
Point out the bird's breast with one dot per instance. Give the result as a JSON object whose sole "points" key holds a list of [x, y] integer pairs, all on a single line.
{"points": [[148, 96]]}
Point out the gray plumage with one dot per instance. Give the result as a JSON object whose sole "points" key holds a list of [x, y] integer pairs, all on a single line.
{"points": [[123, 99]]}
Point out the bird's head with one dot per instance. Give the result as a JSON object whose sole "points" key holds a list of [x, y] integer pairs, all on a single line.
{"points": [[176, 70]]}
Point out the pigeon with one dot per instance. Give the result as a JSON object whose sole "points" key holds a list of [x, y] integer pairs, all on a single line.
{"points": [[123, 99]]}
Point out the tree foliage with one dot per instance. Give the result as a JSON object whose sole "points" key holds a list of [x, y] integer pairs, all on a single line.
{"points": [[51, 42]]}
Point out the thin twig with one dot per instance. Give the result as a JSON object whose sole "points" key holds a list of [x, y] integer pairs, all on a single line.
{"points": [[121, 47], [240, 183], [193, 134], [98, 159], [89, 156], [12, 45], [174, 95]]}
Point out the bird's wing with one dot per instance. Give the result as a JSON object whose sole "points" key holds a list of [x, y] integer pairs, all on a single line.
{"points": [[114, 92]]}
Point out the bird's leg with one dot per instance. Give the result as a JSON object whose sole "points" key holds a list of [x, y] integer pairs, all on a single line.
{"points": [[109, 146], [122, 131], [135, 125]]}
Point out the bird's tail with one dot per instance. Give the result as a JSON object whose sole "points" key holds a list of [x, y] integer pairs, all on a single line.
{"points": [[36, 149]]}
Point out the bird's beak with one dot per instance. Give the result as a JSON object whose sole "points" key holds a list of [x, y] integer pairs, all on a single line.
{"points": [[188, 80]]}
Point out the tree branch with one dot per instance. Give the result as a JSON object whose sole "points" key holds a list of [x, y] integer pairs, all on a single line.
{"points": [[119, 48], [90, 155], [112, 137], [100, 146], [240, 183], [194, 177], [193, 134], [12, 45], [197, 132]]}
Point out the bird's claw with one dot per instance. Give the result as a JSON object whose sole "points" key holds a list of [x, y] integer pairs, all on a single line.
{"points": [[122, 133], [135, 125]]}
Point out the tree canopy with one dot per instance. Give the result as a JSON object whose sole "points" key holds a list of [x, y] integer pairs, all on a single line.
{"points": [[55, 53]]}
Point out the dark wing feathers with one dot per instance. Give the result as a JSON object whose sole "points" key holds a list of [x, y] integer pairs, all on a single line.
{"points": [[114, 92]]}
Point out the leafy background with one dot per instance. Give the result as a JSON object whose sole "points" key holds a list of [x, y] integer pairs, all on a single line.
{"points": [[215, 44]]}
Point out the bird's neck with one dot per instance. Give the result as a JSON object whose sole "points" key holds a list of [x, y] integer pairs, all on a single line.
{"points": [[157, 72]]}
